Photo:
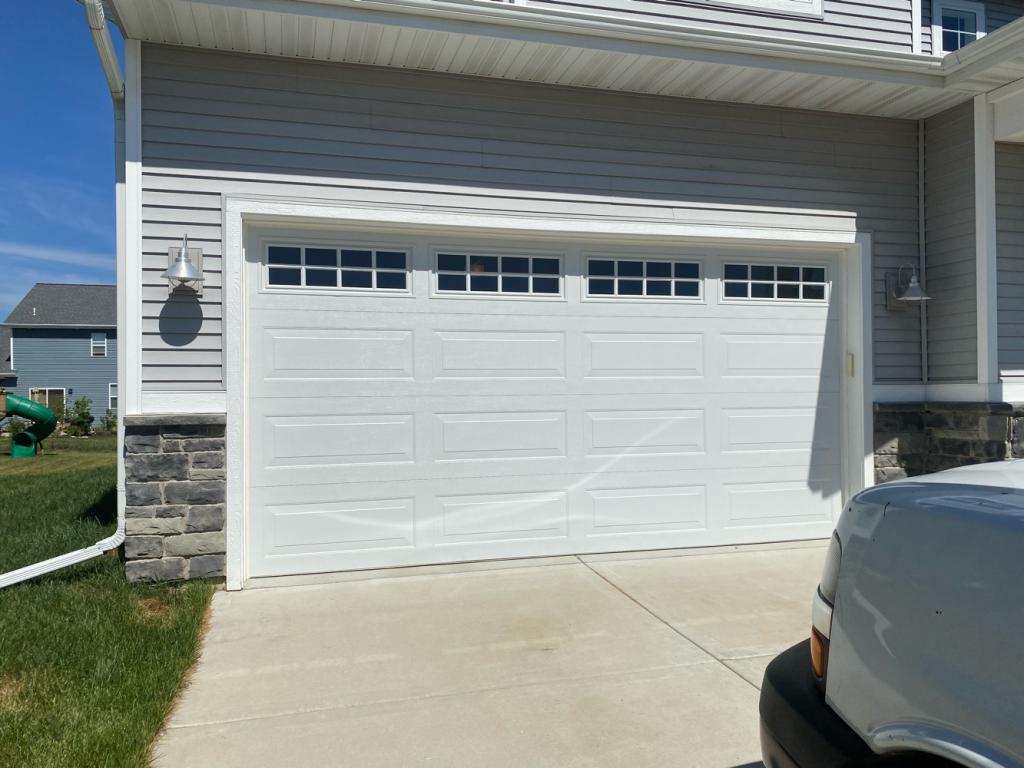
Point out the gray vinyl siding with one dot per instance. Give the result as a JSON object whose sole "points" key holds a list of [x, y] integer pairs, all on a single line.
{"points": [[216, 124], [950, 245], [997, 14], [1010, 243], [878, 24], [61, 358]]}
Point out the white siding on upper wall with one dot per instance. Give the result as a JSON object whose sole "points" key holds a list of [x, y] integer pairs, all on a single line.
{"points": [[217, 124], [950, 245], [1010, 243], [877, 24]]}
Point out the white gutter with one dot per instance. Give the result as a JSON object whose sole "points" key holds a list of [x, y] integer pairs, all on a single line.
{"points": [[115, 80]]}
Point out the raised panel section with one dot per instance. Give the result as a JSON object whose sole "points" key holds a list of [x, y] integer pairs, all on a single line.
{"points": [[501, 354], [310, 353], [335, 440], [644, 432], [774, 356], [643, 355], [775, 503], [504, 516], [648, 509], [469, 436], [768, 429], [341, 525]]}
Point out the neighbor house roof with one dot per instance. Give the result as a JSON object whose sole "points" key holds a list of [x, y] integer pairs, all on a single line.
{"points": [[66, 305]]}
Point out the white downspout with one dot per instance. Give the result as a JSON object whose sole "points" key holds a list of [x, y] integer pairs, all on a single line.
{"points": [[921, 248], [115, 80]]}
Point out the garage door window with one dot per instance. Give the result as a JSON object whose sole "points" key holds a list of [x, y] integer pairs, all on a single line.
{"points": [[293, 266], [643, 278], [523, 275], [774, 282]]}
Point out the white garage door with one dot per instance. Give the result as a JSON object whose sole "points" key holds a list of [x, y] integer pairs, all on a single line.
{"points": [[421, 400]]}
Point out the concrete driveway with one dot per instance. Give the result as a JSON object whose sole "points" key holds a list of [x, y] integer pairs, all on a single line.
{"points": [[623, 660]]}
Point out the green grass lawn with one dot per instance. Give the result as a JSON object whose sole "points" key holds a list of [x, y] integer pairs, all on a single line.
{"points": [[89, 664]]}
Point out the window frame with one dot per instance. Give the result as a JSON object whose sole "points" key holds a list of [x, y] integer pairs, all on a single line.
{"points": [[774, 262], [965, 6], [94, 345], [625, 255], [461, 250], [112, 396], [63, 395], [337, 244]]}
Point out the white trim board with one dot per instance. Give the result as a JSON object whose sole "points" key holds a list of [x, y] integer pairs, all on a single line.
{"points": [[242, 211], [986, 251]]}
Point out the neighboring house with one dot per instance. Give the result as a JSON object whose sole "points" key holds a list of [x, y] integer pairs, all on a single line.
{"points": [[63, 346], [7, 377], [502, 279]]}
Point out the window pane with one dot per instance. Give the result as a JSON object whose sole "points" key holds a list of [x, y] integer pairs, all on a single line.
{"points": [[282, 276], [736, 272], [659, 288], [736, 290], [631, 268], [545, 285], [600, 287], [814, 292], [356, 279], [814, 274], [451, 282], [659, 269], [600, 267], [390, 260], [686, 269], [515, 284], [688, 289], [515, 264], [950, 41], [356, 259], [451, 262], [483, 283], [762, 272], [322, 277], [789, 291], [762, 291], [99, 338], [483, 264], [393, 280], [631, 287], [546, 266], [789, 274], [321, 257], [277, 254]]}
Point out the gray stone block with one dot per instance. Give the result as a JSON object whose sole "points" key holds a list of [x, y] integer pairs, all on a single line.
{"points": [[206, 567], [142, 494], [139, 512], [156, 466], [192, 544], [203, 444], [142, 440], [171, 510], [208, 460], [165, 569], [155, 526], [141, 547], [200, 492], [885, 474], [174, 419], [186, 431], [206, 474], [205, 518]]}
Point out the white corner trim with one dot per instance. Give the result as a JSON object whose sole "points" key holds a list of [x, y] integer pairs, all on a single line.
{"points": [[916, 20], [240, 212], [986, 254], [130, 275]]}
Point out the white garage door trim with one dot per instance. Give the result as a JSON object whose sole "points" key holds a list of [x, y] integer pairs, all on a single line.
{"points": [[852, 247]]}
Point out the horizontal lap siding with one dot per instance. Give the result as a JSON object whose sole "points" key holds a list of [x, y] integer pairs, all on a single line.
{"points": [[878, 24], [950, 245], [218, 124], [1010, 240], [997, 14]]}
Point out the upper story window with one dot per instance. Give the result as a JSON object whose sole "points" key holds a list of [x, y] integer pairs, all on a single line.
{"points": [[98, 344], [956, 23]]}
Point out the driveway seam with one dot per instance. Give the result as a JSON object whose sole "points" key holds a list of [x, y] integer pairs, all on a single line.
{"points": [[668, 624]]}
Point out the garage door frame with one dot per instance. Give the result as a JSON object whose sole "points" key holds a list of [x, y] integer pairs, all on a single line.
{"points": [[734, 228]]}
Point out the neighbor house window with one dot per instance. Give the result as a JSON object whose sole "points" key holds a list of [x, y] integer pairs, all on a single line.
{"points": [[341, 268], [98, 344], [52, 398], [955, 23], [643, 278], [480, 273], [774, 282], [112, 397]]}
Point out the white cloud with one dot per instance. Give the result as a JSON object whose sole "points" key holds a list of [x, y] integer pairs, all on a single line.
{"points": [[86, 259]]}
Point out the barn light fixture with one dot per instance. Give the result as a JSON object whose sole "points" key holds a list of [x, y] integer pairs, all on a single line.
{"points": [[184, 268], [903, 291]]}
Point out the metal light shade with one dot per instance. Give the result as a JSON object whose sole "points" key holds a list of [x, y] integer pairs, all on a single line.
{"points": [[182, 270], [913, 291]]}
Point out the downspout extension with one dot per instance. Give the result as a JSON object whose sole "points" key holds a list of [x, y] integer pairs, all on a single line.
{"points": [[115, 80]]}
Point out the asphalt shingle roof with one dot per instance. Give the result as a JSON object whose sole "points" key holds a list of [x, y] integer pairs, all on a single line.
{"points": [[63, 304]]}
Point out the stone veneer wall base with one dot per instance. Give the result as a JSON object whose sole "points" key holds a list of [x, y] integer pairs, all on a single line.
{"points": [[174, 492]]}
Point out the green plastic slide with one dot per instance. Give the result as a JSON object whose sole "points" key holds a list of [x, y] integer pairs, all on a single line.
{"points": [[26, 443]]}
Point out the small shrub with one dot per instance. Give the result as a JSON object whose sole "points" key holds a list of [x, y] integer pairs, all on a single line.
{"points": [[79, 421], [109, 422]]}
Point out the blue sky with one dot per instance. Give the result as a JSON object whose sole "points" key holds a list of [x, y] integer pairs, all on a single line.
{"points": [[56, 153]]}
